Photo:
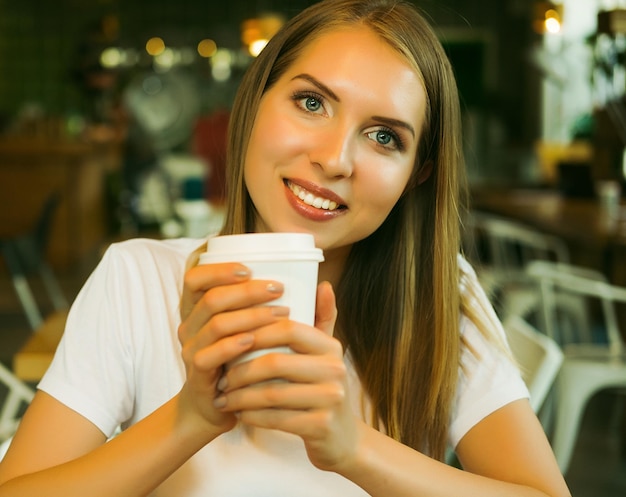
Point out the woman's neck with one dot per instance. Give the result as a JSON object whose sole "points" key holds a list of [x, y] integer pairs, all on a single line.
{"points": [[334, 262]]}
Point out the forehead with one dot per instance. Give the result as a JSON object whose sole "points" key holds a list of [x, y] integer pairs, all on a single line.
{"points": [[357, 61], [344, 42]]}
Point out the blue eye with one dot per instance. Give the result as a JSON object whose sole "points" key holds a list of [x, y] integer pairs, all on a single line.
{"points": [[312, 104], [309, 101], [386, 138], [383, 137]]}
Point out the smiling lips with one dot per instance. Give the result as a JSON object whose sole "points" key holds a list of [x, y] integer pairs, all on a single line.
{"points": [[310, 199]]}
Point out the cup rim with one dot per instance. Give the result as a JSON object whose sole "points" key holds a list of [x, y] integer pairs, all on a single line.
{"points": [[261, 247]]}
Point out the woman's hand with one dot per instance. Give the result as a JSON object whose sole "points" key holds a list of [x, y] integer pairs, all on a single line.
{"points": [[220, 311], [304, 393]]}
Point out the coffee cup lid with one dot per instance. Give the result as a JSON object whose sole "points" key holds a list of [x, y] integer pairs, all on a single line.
{"points": [[262, 247]]}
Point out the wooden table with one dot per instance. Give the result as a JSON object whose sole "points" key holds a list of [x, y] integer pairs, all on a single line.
{"points": [[595, 239], [33, 167], [34, 357]]}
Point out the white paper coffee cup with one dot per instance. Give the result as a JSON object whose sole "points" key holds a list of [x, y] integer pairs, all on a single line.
{"points": [[290, 258]]}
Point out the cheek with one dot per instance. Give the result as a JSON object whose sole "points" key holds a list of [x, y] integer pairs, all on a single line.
{"points": [[274, 139], [260, 147], [386, 185]]}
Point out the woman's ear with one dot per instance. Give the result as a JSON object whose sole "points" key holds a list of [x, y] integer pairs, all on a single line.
{"points": [[420, 176], [424, 172]]}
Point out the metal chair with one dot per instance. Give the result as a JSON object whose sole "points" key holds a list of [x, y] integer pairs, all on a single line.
{"points": [[500, 248], [589, 366], [18, 393], [538, 356], [24, 256]]}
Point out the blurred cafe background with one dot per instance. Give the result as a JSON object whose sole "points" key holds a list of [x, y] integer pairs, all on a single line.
{"points": [[113, 117]]}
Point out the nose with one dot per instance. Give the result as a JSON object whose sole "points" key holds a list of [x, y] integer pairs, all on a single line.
{"points": [[333, 150]]}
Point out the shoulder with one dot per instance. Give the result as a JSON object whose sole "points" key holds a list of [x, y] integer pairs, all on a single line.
{"points": [[141, 255], [135, 274], [139, 269], [152, 249]]}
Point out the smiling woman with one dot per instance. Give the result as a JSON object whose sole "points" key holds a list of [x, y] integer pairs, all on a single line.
{"points": [[345, 127], [329, 128]]}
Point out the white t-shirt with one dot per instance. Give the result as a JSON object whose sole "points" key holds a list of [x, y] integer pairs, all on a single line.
{"points": [[119, 360]]}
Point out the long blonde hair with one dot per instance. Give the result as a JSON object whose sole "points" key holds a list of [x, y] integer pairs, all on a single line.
{"points": [[398, 298]]}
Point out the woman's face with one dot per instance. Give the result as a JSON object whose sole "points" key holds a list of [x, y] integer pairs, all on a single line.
{"points": [[335, 139]]}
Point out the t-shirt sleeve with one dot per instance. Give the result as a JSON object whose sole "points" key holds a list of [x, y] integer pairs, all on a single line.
{"points": [[92, 367], [488, 377]]}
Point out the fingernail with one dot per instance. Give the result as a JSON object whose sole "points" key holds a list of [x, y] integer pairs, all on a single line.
{"points": [[219, 402], [242, 273], [222, 383], [275, 287], [279, 311]]}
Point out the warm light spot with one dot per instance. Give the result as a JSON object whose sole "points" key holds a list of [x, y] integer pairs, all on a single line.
{"points": [[255, 33], [256, 46], [552, 22], [250, 31], [207, 48], [552, 25], [155, 46], [547, 16]]}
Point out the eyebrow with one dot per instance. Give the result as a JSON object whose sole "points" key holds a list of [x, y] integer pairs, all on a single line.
{"points": [[395, 122], [385, 120], [319, 84]]}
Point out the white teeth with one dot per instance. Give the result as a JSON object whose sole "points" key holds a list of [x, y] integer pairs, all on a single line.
{"points": [[310, 199]]}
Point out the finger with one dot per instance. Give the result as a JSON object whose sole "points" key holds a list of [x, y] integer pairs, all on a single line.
{"points": [[300, 337], [226, 350], [283, 395], [228, 298], [200, 278], [294, 368], [239, 321], [305, 423], [326, 308]]}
